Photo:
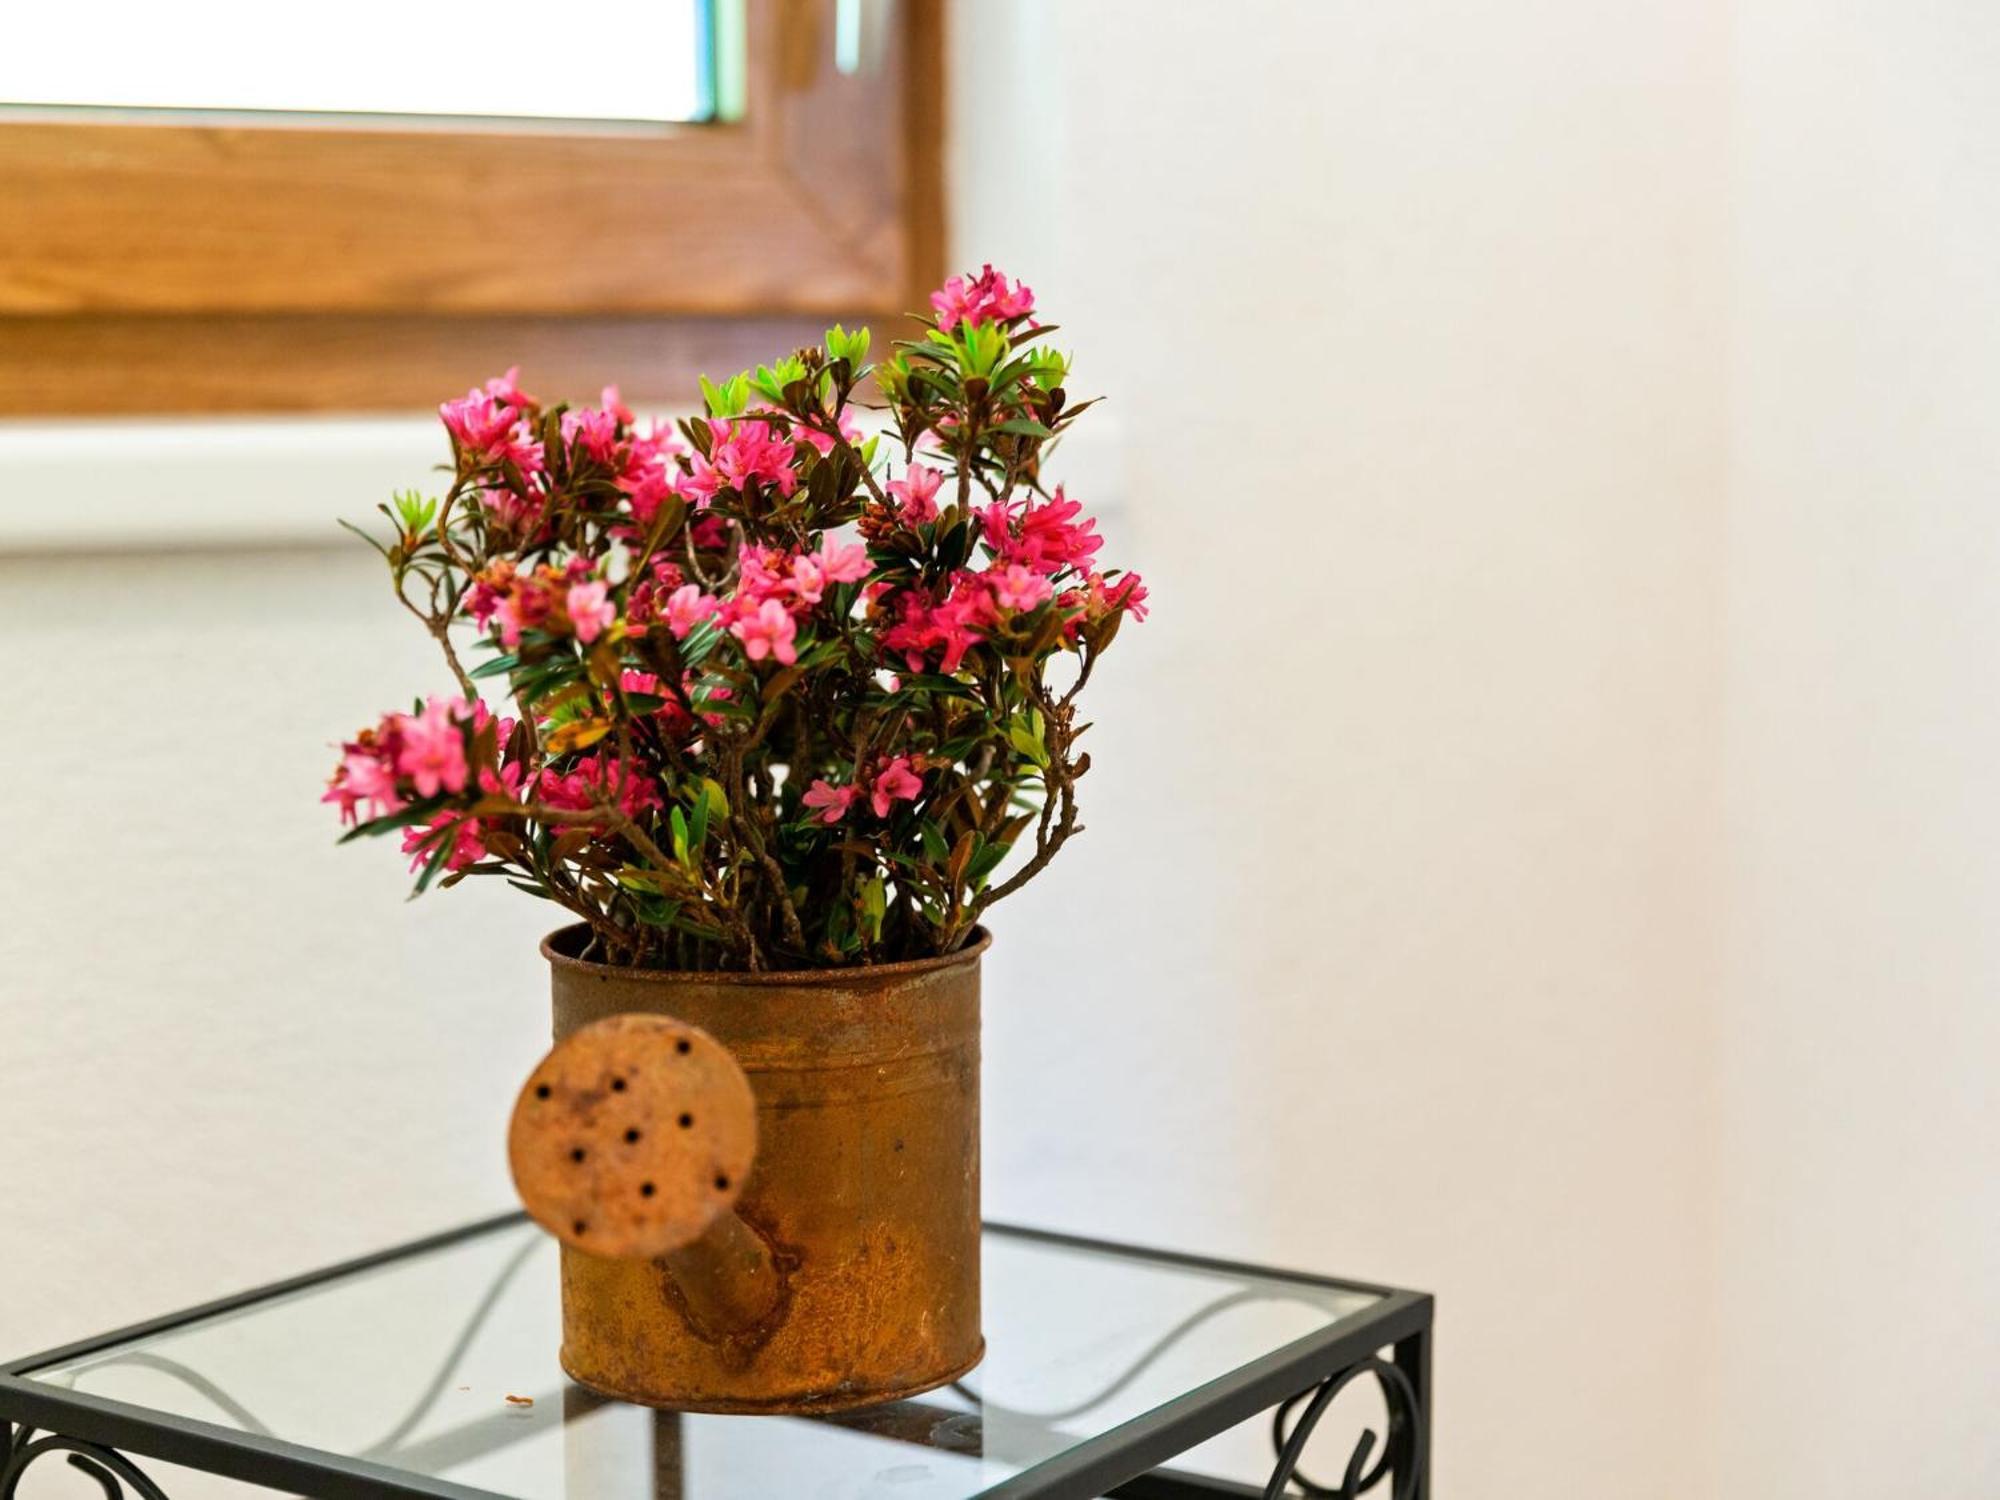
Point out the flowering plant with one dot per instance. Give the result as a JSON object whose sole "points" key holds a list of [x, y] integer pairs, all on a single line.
{"points": [[773, 700]]}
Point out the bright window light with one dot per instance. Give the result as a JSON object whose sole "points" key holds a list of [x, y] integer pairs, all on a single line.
{"points": [[640, 60]]}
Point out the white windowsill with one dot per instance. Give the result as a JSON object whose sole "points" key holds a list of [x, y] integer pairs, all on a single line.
{"points": [[89, 484]]}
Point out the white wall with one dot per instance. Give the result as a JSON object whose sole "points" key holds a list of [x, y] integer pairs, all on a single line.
{"points": [[231, 1049], [1538, 850], [1860, 1256], [1392, 920]]}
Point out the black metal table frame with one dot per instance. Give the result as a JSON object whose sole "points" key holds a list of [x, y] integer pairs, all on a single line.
{"points": [[99, 1436]]}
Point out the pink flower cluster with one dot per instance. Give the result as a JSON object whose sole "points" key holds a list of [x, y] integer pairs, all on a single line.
{"points": [[424, 755], [419, 754], [822, 444], [593, 780], [1100, 596], [490, 429], [774, 587], [741, 453], [1033, 543], [1045, 538], [897, 780], [915, 494], [570, 601], [920, 625], [983, 298]]}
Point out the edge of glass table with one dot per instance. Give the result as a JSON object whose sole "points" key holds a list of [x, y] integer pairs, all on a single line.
{"points": [[85, 1424]]}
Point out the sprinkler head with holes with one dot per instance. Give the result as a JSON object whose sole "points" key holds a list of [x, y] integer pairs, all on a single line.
{"points": [[633, 1137]]}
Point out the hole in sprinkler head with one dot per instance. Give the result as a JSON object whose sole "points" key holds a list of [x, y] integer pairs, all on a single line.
{"points": [[721, 1183], [617, 1085], [646, 1190], [686, 1121], [578, 1227], [576, 1153], [542, 1091], [684, 1046], [632, 1135]]}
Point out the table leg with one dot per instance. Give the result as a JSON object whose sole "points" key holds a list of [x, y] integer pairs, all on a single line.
{"points": [[1413, 1358]]}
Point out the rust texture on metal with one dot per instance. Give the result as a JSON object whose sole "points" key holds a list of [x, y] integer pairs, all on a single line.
{"points": [[849, 1272], [633, 1136]]}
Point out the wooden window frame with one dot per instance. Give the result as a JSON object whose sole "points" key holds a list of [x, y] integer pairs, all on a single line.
{"points": [[166, 267]]}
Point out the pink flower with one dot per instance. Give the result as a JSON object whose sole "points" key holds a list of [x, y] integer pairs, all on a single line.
{"points": [[822, 444], [1045, 538], [506, 389], [831, 564], [984, 297], [1014, 587], [831, 802], [511, 508], [371, 777], [592, 433], [893, 782], [593, 779], [366, 773], [921, 627], [843, 564], [1128, 594], [481, 425], [687, 607], [808, 579], [768, 632], [432, 750], [761, 573], [634, 681], [742, 453], [525, 608], [421, 842], [915, 494], [590, 610], [650, 474], [647, 488]]}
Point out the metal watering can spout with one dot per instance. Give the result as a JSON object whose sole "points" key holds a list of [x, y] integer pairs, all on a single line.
{"points": [[632, 1139]]}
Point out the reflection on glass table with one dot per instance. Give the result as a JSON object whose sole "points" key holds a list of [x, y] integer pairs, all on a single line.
{"points": [[432, 1371]]}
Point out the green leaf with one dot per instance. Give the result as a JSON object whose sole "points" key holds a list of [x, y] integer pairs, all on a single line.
{"points": [[718, 800], [415, 812], [350, 526], [697, 830], [729, 399], [1024, 738], [984, 863], [874, 906], [700, 641], [852, 347], [931, 682], [443, 837], [1022, 427]]}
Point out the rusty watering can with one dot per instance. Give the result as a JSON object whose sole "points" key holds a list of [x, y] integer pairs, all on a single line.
{"points": [[766, 1185]]}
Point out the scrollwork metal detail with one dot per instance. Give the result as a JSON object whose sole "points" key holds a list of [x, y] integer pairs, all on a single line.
{"points": [[112, 1470], [1401, 1453]]}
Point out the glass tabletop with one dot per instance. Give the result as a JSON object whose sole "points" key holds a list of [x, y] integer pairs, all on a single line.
{"points": [[443, 1363]]}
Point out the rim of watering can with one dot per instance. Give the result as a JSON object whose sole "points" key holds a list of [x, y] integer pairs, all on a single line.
{"points": [[553, 945]]}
